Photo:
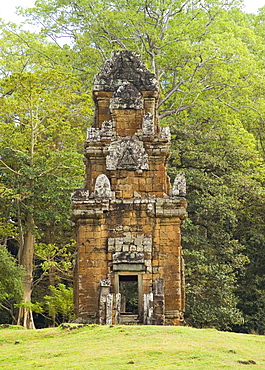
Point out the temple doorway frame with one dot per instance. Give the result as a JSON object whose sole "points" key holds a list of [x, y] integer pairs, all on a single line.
{"points": [[139, 276]]}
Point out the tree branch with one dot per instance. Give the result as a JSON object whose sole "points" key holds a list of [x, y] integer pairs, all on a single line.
{"points": [[114, 38], [9, 168], [177, 110], [170, 92]]}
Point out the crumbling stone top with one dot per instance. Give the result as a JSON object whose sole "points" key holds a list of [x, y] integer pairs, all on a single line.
{"points": [[125, 66]]}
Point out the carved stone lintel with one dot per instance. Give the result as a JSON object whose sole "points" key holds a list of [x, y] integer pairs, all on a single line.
{"points": [[127, 257], [139, 243]]}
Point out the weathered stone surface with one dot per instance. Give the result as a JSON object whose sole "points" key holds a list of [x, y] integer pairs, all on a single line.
{"points": [[148, 308], [126, 96], [128, 257], [125, 66], [102, 187], [159, 287], [80, 194], [93, 134], [165, 133], [179, 186], [107, 128], [127, 218], [118, 308], [127, 153], [109, 307], [148, 124]]}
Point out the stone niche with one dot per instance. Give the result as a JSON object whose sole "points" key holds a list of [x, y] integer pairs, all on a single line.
{"points": [[129, 265]]}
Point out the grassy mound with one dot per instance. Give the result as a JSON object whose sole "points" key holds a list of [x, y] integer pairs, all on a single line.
{"points": [[129, 347]]}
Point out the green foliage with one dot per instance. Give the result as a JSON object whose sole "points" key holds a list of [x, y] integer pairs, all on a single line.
{"points": [[43, 108], [60, 302], [251, 289], [129, 295], [210, 292], [218, 161], [11, 276], [7, 227], [34, 307], [209, 58], [58, 258]]}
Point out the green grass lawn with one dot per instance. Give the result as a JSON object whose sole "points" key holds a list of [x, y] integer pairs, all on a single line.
{"points": [[130, 347]]}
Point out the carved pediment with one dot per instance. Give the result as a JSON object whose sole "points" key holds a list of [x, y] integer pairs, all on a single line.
{"points": [[128, 159], [127, 153], [102, 187]]}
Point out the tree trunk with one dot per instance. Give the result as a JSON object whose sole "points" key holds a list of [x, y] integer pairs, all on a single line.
{"points": [[52, 283], [51, 273], [25, 258]]}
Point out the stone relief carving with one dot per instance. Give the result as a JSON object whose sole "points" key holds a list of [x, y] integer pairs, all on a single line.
{"points": [[124, 66], [93, 134], [102, 187], [123, 246], [179, 186], [126, 257], [126, 96], [107, 128], [80, 194], [165, 133], [130, 249], [105, 282], [127, 153], [148, 124], [130, 243], [148, 308]]}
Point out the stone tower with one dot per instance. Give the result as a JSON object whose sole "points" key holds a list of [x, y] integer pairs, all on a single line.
{"points": [[129, 266]]}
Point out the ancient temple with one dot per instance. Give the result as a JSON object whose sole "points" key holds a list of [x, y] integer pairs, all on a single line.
{"points": [[129, 265]]}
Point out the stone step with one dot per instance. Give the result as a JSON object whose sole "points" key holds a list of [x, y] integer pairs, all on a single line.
{"points": [[129, 319]]}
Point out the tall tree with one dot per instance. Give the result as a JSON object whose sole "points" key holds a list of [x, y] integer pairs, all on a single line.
{"points": [[39, 157], [209, 58], [218, 161]]}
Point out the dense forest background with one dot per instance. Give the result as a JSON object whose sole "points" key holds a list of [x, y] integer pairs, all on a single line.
{"points": [[209, 57]]}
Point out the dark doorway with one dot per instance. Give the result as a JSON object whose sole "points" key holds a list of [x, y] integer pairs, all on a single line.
{"points": [[128, 287]]}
